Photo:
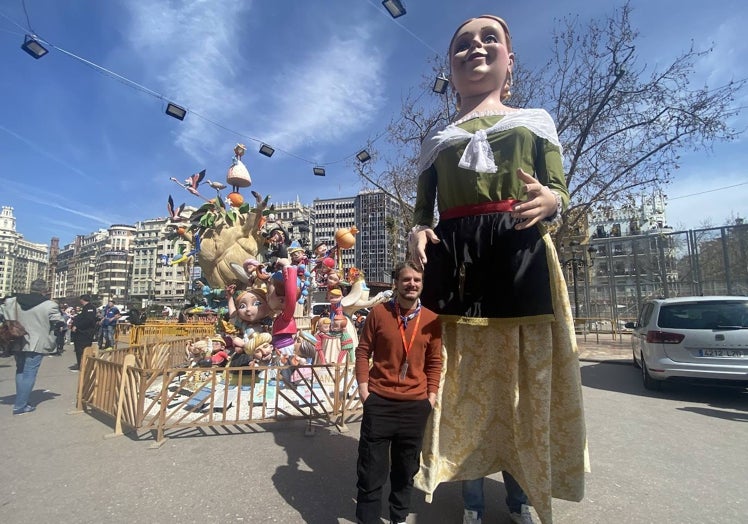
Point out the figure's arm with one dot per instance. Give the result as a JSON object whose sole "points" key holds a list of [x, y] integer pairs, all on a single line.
{"points": [[423, 217], [289, 286], [230, 299]]}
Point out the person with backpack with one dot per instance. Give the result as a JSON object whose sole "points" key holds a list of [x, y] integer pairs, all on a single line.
{"points": [[39, 316]]}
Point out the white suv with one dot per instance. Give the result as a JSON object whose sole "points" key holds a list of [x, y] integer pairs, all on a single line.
{"points": [[692, 338]]}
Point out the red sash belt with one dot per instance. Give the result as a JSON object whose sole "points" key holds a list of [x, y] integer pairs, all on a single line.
{"points": [[502, 206]]}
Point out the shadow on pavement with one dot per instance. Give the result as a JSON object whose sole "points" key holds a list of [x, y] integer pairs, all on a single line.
{"points": [[627, 379], [319, 481], [37, 397], [319, 477]]}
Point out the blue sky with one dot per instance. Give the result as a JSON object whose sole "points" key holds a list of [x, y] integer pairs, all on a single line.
{"points": [[80, 150]]}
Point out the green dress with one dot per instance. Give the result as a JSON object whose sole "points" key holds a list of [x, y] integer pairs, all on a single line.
{"points": [[510, 396]]}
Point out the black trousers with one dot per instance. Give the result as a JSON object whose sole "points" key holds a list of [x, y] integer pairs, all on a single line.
{"points": [[390, 429]]}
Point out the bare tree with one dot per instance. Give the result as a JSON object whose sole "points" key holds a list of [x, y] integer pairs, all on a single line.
{"points": [[622, 124]]}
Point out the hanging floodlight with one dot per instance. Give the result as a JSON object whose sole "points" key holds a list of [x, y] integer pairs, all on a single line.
{"points": [[33, 47], [319, 171], [266, 150], [363, 156], [176, 111], [440, 84], [394, 7]]}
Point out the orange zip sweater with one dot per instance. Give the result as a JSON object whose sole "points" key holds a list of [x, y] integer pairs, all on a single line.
{"points": [[382, 342]]}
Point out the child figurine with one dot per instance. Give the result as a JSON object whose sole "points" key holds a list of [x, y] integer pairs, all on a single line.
{"points": [[282, 297], [249, 310], [335, 297]]}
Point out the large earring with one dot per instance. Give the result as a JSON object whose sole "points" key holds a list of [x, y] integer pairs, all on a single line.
{"points": [[506, 93], [458, 100]]}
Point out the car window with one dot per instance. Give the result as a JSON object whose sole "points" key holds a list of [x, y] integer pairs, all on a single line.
{"points": [[646, 314], [711, 314]]}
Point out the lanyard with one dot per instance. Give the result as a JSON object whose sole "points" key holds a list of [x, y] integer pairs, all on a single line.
{"points": [[400, 324]]}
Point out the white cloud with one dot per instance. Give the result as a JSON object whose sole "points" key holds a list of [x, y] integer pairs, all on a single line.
{"points": [[334, 91], [201, 75], [323, 92]]}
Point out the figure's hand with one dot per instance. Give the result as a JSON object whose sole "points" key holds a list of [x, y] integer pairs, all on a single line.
{"points": [[417, 241], [230, 289], [540, 202]]}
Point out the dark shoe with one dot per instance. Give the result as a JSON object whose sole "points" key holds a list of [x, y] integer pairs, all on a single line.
{"points": [[24, 410], [74, 368]]}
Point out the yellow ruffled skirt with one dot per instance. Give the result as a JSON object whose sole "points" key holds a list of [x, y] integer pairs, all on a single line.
{"points": [[510, 399]]}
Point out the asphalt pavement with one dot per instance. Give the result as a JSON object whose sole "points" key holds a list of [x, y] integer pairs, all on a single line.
{"points": [[63, 467]]}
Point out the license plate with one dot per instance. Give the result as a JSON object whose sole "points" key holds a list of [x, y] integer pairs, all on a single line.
{"points": [[725, 353]]}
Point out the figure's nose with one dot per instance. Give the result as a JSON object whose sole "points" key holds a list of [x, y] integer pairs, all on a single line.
{"points": [[475, 42]]}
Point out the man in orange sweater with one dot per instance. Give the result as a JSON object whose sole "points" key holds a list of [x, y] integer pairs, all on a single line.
{"points": [[403, 341]]}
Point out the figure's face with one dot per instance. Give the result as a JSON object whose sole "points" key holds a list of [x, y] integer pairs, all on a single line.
{"points": [[409, 284], [276, 237], [480, 58], [217, 346], [324, 327], [263, 350], [338, 325], [296, 256], [251, 308], [333, 279], [321, 250]]}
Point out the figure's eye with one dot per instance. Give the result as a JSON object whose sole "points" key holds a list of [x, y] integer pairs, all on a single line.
{"points": [[461, 45], [242, 306], [491, 39], [257, 304]]}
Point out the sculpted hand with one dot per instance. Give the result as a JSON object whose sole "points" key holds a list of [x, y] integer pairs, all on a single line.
{"points": [[417, 245], [540, 202]]}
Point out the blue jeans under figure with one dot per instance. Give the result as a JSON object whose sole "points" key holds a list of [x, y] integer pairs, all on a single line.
{"points": [[108, 335], [472, 495], [27, 365]]}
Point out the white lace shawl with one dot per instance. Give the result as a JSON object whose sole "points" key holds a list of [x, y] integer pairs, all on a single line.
{"points": [[478, 155]]}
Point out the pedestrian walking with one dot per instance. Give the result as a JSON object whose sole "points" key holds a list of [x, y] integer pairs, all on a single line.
{"points": [[109, 318], [83, 329], [39, 316]]}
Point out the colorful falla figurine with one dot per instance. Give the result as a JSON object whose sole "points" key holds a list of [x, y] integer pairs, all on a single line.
{"points": [[238, 175]]}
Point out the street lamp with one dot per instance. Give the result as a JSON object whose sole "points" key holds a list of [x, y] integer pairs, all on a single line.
{"points": [[33, 47], [440, 84], [577, 263], [175, 111], [394, 7]]}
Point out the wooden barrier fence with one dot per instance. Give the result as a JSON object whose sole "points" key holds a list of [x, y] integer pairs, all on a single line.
{"points": [[142, 389], [150, 333]]}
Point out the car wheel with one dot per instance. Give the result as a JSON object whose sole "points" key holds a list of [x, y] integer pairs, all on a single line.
{"points": [[649, 382]]}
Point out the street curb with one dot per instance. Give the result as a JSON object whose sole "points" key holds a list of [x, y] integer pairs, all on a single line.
{"points": [[606, 361]]}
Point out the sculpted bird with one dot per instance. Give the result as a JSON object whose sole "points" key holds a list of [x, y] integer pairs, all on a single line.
{"points": [[193, 181], [216, 185], [175, 214]]}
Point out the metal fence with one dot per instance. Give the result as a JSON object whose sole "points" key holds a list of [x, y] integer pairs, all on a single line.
{"points": [[619, 273]]}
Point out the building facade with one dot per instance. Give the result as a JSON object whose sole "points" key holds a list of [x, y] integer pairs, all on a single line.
{"points": [[382, 240], [21, 261], [330, 214], [383, 231], [634, 257]]}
